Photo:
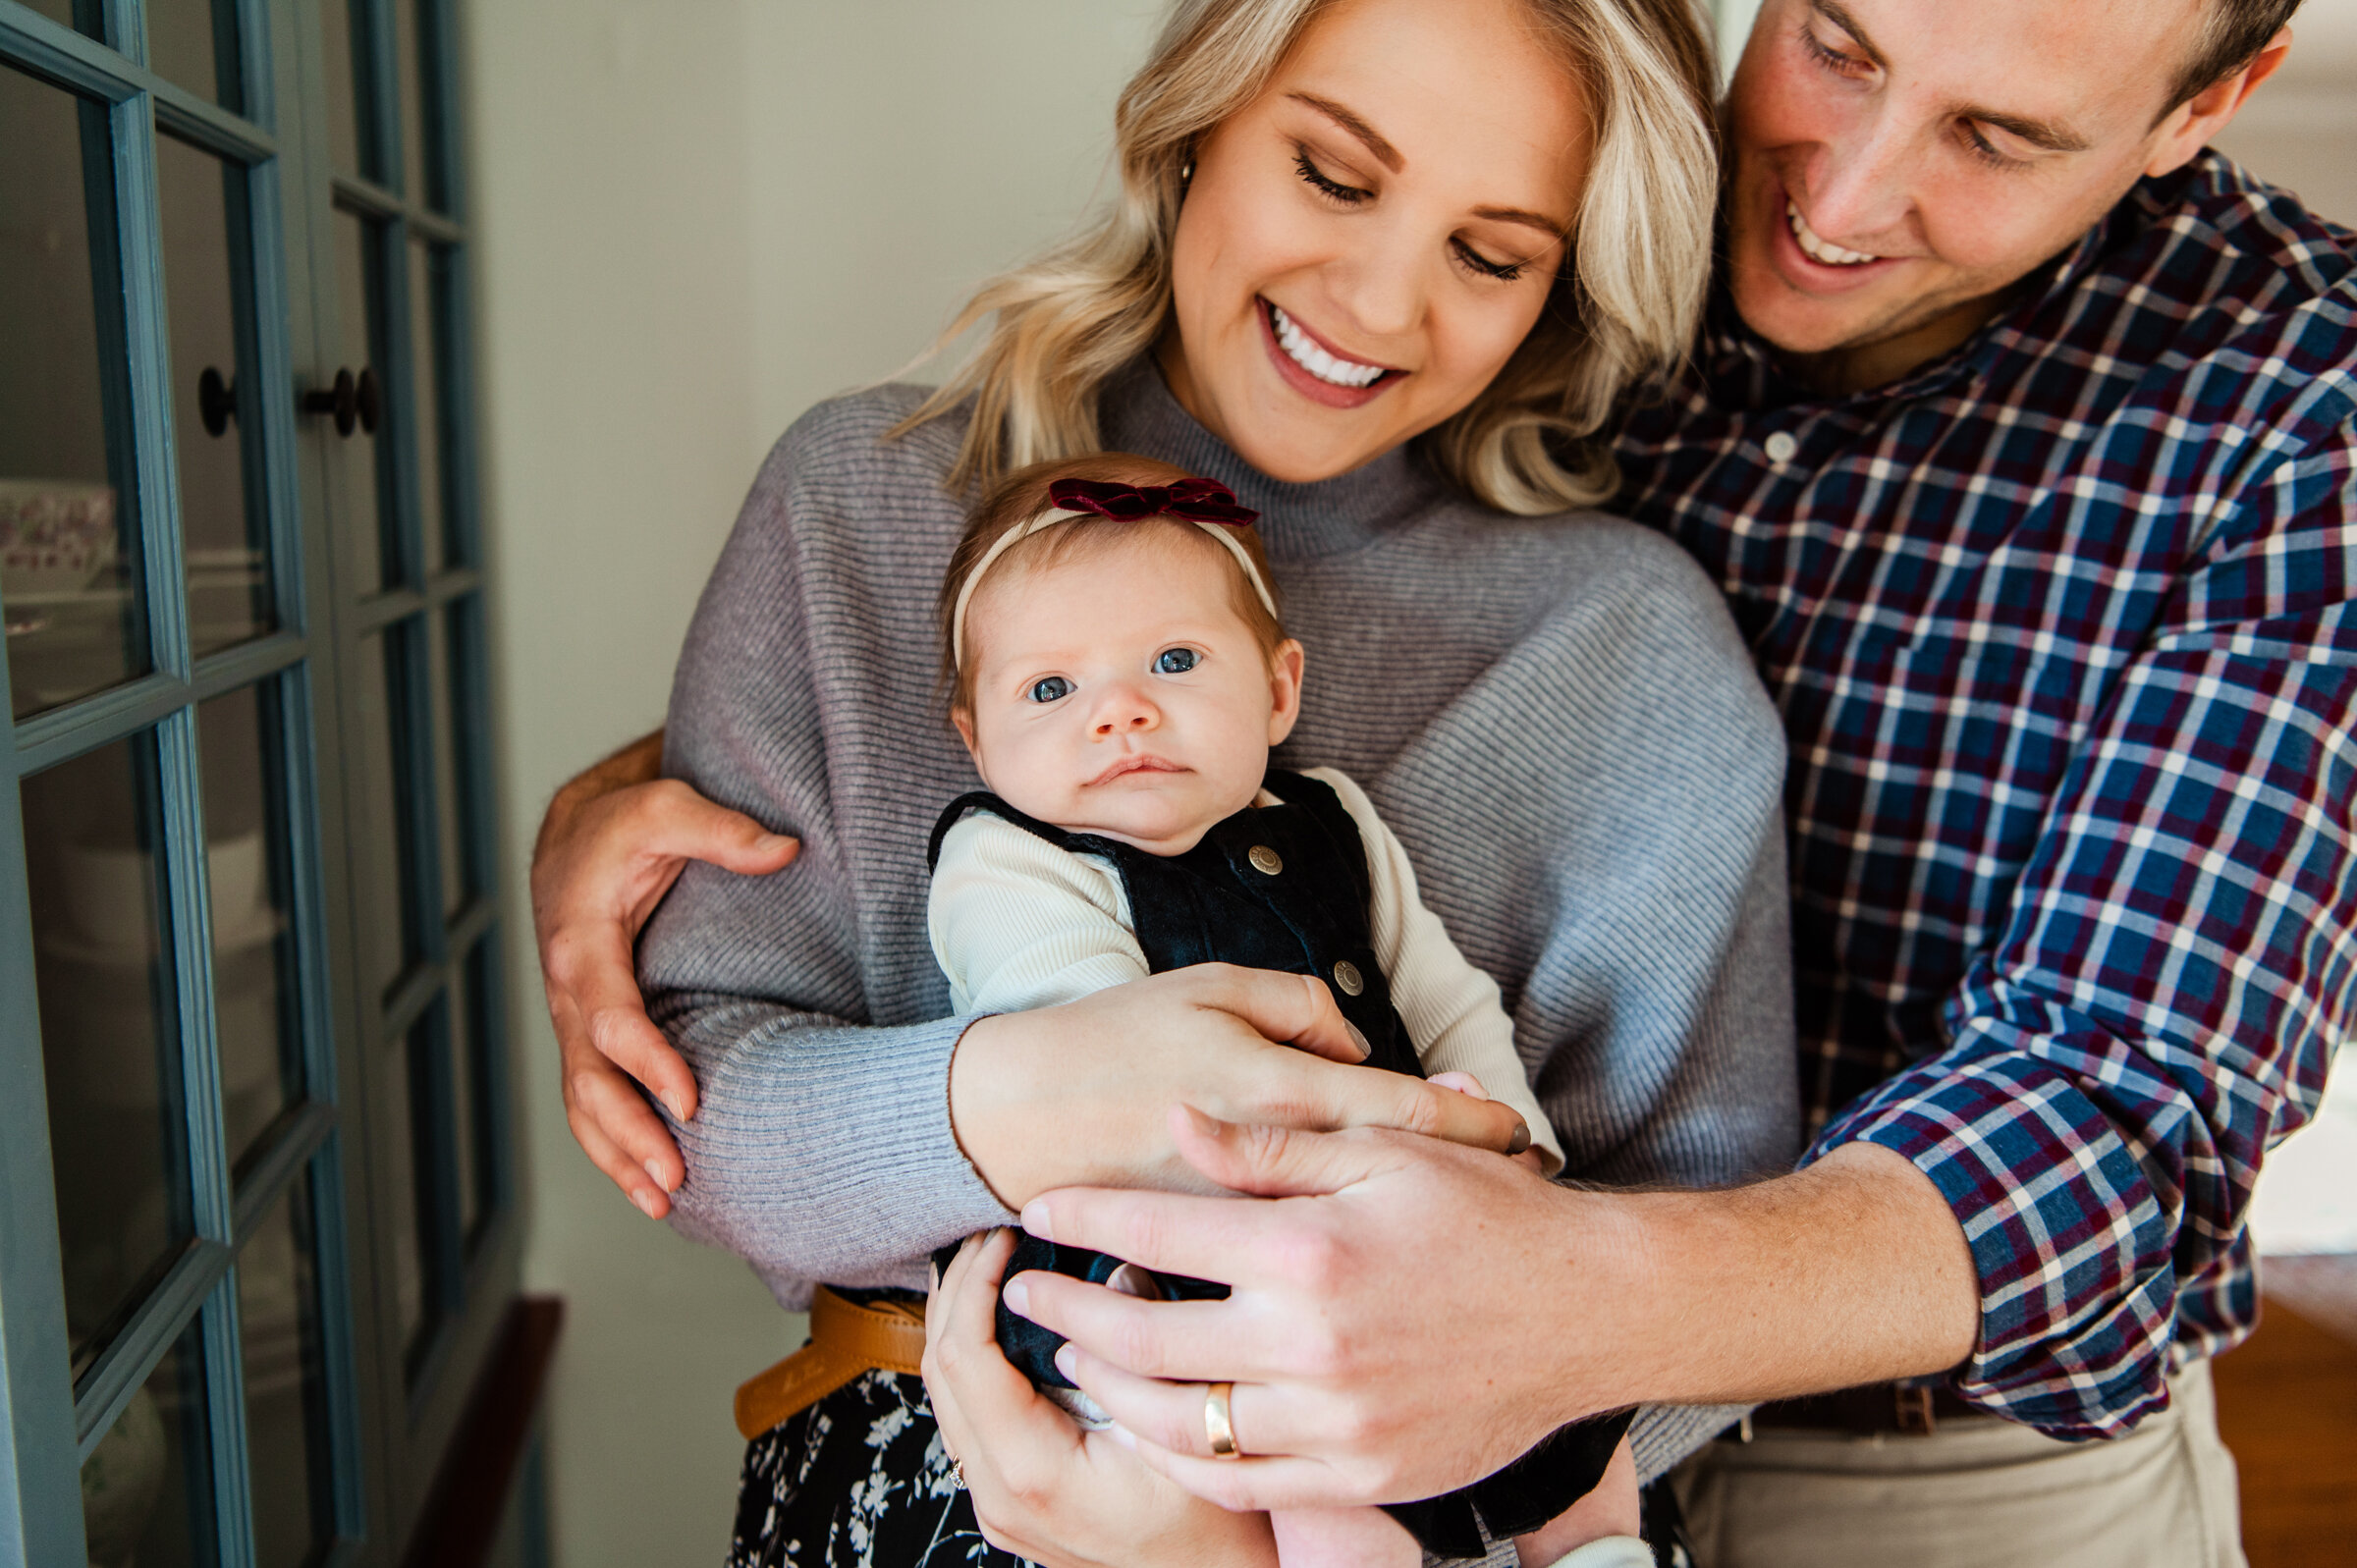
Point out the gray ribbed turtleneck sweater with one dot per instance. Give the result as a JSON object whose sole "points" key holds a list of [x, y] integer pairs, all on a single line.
{"points": [[1554, 714]]}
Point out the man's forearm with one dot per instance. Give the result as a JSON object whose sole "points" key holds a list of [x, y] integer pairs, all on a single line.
{"points": [[1851, 1271]]}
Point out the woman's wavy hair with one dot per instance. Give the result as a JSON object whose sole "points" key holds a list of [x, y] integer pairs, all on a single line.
{"points": [[1627, 304]]}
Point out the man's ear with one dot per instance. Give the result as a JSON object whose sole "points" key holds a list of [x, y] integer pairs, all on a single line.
{"points": [[2192, 125], [1285, 689]]}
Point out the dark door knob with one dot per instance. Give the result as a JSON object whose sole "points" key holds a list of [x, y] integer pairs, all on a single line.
{"points": [[216, 401], [351, 400]]}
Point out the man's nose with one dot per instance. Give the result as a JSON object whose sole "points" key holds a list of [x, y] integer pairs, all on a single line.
{"points": [[1861, 181]]}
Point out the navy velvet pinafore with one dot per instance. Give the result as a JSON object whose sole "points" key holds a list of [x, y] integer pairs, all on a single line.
{"points": [[1285, 887]]}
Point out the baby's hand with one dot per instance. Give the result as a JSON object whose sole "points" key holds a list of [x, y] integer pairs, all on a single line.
{"points": [[1465, 1083], [1608, 1513]]}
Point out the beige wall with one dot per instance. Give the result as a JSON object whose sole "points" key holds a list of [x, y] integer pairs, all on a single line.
{"points": [[698, 217]]}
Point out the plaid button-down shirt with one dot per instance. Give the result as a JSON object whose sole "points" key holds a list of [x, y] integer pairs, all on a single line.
{"points": [[2063, 628]]}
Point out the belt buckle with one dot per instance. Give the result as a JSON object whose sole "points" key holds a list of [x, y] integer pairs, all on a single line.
{"points": [[1912, 1409]]}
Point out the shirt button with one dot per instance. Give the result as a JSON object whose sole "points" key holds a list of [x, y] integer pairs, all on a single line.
{"points": [[1268, 862], [1347, 976], [1781, 448]]}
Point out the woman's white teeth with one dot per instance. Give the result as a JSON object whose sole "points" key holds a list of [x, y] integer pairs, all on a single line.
{"points": [[1817, 249], [1299, 348]]}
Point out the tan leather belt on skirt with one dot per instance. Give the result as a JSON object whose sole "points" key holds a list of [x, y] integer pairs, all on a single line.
{"points": [[845, 1340]]}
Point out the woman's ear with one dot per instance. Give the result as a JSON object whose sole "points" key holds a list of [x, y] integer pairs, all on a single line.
{"points": [[1285, 689]]}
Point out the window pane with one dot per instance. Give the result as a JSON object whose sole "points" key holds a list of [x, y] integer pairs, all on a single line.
{"points": [[357, 459], [110, 1041], [467, 1104], [82, 14], [450, 805], [286, 1394], [384, 879], [405, 1149], [146, 1488], [411, 64], [214, 417], [428, 293], [195, 44], [254, 1006], [344, 36], [69, 531]]}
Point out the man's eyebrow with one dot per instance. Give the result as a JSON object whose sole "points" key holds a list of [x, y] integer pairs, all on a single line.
{"points": [[2043, 135], [1383, 151]]}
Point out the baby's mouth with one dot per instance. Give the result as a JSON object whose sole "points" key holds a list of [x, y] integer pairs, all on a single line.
{"points": [[1129, 765]]}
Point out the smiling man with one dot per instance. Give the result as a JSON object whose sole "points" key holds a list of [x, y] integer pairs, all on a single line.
{"points": [[2021, 442]]}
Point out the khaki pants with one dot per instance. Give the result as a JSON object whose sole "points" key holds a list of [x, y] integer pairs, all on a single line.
{"points": [[1976, 1493]]}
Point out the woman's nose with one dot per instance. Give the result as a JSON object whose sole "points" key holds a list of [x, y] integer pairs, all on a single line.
{"points": [[1379, 288]]}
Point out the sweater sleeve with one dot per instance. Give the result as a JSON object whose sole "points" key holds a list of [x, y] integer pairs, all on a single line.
{"points": [[1018, 923], [1450, 1008]]}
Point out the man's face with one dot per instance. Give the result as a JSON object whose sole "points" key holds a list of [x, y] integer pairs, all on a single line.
{"points": [[1896, 164]]}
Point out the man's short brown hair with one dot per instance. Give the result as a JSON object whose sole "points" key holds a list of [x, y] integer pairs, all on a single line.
{"points": [[2231, 37]]}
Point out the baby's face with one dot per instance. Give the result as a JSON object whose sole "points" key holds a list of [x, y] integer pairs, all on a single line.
{"points": [[1118, 691]]}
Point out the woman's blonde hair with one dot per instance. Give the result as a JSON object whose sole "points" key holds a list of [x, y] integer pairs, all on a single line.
{"points": [[1627, 304]]}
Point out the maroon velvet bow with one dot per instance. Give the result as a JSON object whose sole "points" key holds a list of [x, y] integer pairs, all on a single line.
{"points": [[1195, 500]]}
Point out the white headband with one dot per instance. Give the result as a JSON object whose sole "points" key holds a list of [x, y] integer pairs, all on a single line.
{"points": [[1223, 532]]}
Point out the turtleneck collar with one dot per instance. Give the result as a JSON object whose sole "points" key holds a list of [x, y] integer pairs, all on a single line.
{"points": [[1298, 521]]}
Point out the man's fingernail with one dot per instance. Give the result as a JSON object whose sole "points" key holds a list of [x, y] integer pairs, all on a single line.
{"points": [[656, 1171], [1035, 1220], [1017, 1297], [1520, 1140], [775, 841], [1066, 1360], [646, 1204], [677, 1106], [1360, 1041]]}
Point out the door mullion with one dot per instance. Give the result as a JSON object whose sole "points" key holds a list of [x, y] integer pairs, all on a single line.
{"points": [[148, 350]]}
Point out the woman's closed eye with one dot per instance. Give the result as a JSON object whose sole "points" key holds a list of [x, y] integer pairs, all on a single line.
{"points": [[1051, 688], [1176, 661]]}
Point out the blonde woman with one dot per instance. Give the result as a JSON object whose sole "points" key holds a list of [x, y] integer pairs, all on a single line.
{"points": [[1382, 267]]}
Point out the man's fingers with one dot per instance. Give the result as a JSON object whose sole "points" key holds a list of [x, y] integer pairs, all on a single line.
{"points": [[1167, 1232], [1263, 1162], [614, 1161], [1170, 1414], [678, 821], [593, 977], [602, 1101], [1179, 1341]]}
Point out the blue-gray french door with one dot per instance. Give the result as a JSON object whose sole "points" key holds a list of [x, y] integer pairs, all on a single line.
{"points": [[255, 1204]]}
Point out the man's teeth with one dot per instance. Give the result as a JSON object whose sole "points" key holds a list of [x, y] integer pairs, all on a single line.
{"points": [[1317, 361], [1824, 251]]}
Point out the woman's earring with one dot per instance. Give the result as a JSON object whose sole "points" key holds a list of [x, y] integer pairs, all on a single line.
{"points": [[1186, 173]]}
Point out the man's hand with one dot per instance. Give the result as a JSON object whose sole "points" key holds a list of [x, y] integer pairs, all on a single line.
{"points": [[1409, 1315], [613, 843]]}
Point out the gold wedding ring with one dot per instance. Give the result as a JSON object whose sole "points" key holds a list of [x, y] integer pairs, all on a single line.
{"points": [[1218, 1425]]}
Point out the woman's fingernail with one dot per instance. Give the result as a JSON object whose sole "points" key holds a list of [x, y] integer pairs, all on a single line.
{"points": [[1017, 1297], [1360, 1041], [1122, 1436], [1035, 1220], [1520, 1140], [1066, 1360], [646, 1204]]}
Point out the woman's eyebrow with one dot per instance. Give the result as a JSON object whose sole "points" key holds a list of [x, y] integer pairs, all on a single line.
{"points": [[1383, 151], [1551, 227]]}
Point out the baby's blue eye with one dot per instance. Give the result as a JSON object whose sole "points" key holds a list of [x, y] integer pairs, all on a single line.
{"points": [[1055, 689], [1176, 661]]}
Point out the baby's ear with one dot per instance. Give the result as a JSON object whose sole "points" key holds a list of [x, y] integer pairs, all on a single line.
{"points": [[964, 721], [1285, 689]]}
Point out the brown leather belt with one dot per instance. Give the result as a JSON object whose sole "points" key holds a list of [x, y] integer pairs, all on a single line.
{"points": [[845, 1340], [1877, 1409]]}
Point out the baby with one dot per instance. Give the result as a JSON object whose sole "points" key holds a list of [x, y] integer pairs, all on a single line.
{"points": [[1119, 674]]}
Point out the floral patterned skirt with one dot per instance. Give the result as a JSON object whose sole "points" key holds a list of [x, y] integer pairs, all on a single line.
{"points": [[858, 1479]]}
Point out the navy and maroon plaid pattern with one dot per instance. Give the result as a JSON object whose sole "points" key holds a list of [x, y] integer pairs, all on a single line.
{"points": [[2063, 628]]}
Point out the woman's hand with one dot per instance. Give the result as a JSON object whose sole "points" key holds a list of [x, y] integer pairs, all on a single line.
{"points": [[613, 843], [1043, 1488], [1081, 1094], [1398, 1334]]}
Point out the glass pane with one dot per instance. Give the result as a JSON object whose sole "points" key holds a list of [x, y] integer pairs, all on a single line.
{"points": [[405, 1148], [82, 14], [146, 1488], [69, 531], [343, 38], [286, 1394], [428, 264], [466, 1101], [110, 1041], [450, 806], [382, 883], [195, 44], [253, 953], [411, 65], [358, 457], [206, 282]]}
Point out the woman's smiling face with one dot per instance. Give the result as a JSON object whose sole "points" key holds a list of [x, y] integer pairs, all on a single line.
{"points": [[1364, 246]]}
